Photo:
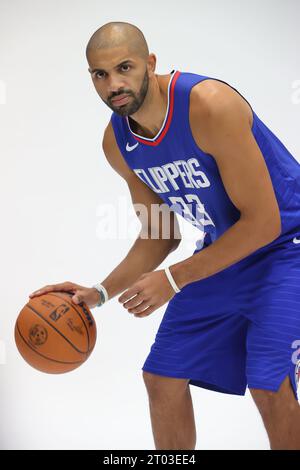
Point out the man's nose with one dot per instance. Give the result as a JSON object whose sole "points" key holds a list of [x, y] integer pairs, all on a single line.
{"points": [[115, 86]]}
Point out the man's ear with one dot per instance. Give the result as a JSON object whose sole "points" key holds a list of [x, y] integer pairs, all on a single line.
{"points": [[151, 63]]}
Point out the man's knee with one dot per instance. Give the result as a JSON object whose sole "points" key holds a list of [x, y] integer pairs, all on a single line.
{"points": [[270, 403], [159, 386], [264, 400]]}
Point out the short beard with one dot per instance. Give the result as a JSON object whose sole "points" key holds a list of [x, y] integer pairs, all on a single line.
{"points": [[137, 101]]}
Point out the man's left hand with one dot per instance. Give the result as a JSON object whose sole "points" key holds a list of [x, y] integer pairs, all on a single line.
{"points": [[150, 291]]}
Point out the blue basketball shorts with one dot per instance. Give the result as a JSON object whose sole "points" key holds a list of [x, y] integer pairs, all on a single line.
{"points": [[239, 327]]}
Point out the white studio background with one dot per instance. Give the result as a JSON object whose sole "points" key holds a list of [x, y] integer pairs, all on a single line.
{"points": [[54, 179]]}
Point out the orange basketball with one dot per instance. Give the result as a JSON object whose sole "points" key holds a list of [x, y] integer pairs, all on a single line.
{"points": [[53, 334]]}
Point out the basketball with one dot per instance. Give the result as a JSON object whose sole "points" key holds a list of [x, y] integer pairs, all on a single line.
{"points": [[53, 334]]}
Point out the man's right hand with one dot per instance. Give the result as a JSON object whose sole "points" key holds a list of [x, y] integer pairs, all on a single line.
{"points": [[89, 295]]}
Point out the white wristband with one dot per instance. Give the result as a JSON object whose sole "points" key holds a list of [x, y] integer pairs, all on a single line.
{"points": [[171, 280], [103, 294]]}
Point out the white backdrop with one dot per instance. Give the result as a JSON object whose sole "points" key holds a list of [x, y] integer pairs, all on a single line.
{"points": [[55, 178]]}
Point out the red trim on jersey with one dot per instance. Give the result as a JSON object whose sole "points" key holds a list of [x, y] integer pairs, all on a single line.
{"points": [[169, 119]]}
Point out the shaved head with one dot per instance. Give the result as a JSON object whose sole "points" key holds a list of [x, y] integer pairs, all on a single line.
{"points": [[120, 64], [119, 34]]}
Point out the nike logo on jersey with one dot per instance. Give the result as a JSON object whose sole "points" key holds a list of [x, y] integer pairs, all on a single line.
{"points": [[132, 147], [296, 240]]}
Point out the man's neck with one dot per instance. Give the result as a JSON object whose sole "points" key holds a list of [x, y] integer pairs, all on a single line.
{"points": [[147, 121]]}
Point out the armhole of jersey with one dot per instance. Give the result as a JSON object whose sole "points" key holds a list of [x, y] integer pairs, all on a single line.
{"points": [[115, 122], [228, 84], [118, 135]]}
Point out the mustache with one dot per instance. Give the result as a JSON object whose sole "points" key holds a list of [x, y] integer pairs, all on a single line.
{"points": [[121, 93]]}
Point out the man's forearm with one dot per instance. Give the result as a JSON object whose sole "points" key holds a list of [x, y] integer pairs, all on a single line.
{"points": [[144, 256], [240, 240]]}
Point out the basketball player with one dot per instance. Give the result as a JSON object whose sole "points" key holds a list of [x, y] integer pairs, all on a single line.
{"points": [[233, 314]]}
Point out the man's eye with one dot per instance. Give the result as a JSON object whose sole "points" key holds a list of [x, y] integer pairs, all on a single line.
{"points": [[97, 74]]}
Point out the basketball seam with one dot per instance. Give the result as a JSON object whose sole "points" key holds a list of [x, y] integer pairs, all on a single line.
{"points": [[73, 306], [42, 355], [55, 329]]}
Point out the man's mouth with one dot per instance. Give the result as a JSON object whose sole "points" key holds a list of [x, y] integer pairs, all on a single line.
{"points": [[121, 99]]}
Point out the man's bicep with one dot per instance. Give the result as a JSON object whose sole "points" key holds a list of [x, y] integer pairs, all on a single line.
{"points": [[113, 154], [153, 214], [156, 217]]}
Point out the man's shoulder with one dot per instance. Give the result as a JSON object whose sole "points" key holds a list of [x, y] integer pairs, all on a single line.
{"points": [[211, 103], [210, 93], [210, 98]]}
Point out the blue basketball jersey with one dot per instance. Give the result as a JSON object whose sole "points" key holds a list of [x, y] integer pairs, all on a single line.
{"points": [[188, 179]]}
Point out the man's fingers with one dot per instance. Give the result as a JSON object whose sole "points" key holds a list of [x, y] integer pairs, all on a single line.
{"points": [[66, 286]]}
